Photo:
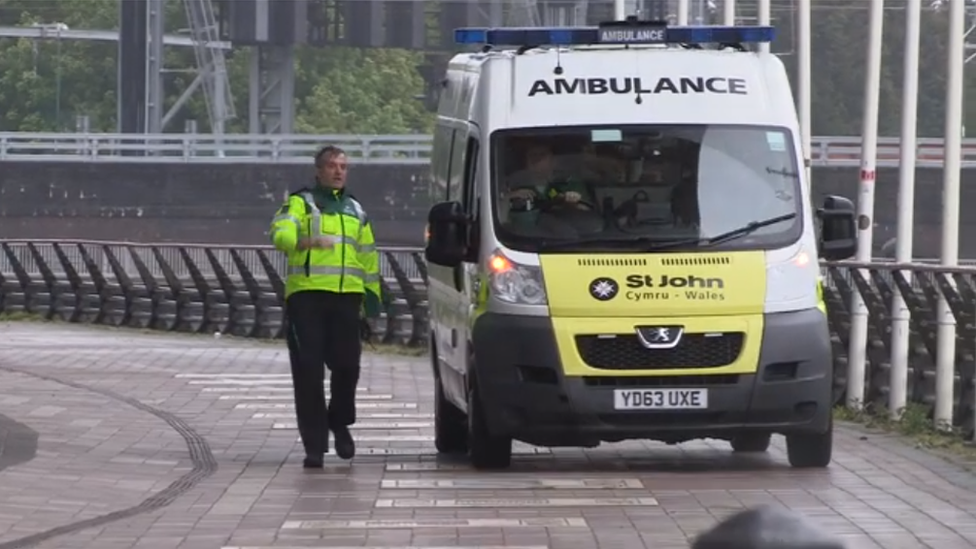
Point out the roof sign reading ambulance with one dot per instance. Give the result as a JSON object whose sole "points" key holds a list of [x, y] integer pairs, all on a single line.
{"points": [[634, 35], [615, 32]]}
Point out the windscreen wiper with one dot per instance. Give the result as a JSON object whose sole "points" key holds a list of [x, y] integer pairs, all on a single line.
{"points": [[748, 229], [730, 235], [650, 244]]}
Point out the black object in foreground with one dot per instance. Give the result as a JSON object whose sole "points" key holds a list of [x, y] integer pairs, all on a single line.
{"points": [[766, 528]]}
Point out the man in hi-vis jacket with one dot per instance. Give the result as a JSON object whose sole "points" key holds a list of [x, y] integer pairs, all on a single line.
{"points": [[333, 282]]}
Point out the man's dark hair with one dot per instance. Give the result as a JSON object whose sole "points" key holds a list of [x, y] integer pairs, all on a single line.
{"points": [[327, 153]]}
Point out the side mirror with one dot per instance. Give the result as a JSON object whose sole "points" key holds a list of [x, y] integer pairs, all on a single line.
{"points": [[838, 229], [446, 228]]}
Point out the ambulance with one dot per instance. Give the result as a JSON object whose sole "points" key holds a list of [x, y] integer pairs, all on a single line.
{"points": [[623, 245]]}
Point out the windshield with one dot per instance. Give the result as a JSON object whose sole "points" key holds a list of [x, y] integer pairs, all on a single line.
{"points": [[643, 187]]}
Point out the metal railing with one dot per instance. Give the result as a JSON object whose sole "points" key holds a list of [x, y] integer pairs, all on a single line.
{"points": [[184, 287], [239, 290], [826, 151], [209, 148]]}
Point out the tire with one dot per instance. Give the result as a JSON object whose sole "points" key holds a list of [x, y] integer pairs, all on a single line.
{"points": [[811, 450], [450, 424], [751, 441], [485, 450]]}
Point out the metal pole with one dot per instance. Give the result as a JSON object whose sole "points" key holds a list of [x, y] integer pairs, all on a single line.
{"points": [[865, 205], [119, 72], [220, 109], [945, 360], [901, 316], [57, 78], [155, 108], [804, 80], [728, 14], [683, 12], [764, 19], [287, 90], [619, 10], [254, 93]]}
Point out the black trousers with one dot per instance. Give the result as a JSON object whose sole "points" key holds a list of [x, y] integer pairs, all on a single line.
{"points": [[323, 331]]}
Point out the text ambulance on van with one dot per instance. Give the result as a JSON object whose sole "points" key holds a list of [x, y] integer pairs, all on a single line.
{"points": [[623, 245]]}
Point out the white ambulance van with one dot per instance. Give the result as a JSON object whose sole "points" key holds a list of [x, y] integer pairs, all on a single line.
{"points": [[623, 245]]}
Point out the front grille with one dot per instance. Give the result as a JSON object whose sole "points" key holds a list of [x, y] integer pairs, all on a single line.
{"points": [[612, 262], [645, 382], [625, 352], [696, 260]]}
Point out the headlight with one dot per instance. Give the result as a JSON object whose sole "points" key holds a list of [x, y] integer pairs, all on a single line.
{"points": [[791, 285], [515, 283]]}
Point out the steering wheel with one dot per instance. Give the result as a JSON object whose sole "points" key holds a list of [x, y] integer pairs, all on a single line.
{"points": [[563, 204]]}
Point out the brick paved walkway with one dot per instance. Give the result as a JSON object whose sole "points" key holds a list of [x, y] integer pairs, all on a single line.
{"points": [[158, 441]]}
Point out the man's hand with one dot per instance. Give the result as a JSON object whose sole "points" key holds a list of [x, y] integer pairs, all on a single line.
{"points": [[572, 197], [371, 305], [318, 242], [526, 194]]}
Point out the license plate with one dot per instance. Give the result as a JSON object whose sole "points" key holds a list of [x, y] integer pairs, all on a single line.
{"points": [[660, 399]]}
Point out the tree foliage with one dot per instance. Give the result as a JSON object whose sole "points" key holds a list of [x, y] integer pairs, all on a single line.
{"points": [[44, 84], [839, 61]]}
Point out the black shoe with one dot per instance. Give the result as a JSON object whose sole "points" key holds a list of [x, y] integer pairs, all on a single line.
{"points": [[344, 446], [312, 462]]}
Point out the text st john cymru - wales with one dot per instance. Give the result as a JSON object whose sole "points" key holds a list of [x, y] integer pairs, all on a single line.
{"points": [[643, 287], [637, 85]]}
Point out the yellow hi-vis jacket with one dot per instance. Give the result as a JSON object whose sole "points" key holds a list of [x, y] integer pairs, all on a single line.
{"points": [[350, 265]]}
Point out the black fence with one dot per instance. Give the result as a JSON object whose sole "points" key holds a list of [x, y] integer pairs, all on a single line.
{"points": [[922, 286], [239, 291], [186, 288]]}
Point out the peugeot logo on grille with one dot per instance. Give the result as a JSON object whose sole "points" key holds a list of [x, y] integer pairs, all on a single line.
{"points": [[604, 289], [660, 337]]}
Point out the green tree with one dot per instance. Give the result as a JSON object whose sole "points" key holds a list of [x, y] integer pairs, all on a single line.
{"points": [[45, 83], [364, 91]]}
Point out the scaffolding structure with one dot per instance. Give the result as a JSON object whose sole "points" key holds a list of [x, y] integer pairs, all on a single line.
{"points": [[211, 65], [211, 77], [272, 90], [970, 51]]}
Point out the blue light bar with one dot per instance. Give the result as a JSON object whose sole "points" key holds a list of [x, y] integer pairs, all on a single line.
{"points": [[613, 33]]}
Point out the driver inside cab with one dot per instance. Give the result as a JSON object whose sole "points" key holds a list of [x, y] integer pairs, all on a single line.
{"points": [[539, 184]]}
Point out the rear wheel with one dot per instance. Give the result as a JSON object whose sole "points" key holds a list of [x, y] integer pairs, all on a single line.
{"points": [[486, 451], [450, 424], [751, 442], [811, 450]]}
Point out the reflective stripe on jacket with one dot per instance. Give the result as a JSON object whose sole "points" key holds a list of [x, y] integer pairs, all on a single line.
{"points": [[350, 264]]}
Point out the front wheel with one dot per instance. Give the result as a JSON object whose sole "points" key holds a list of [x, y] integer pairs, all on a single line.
{"points": [[486, 451], [450, 425], [811, 450]]}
